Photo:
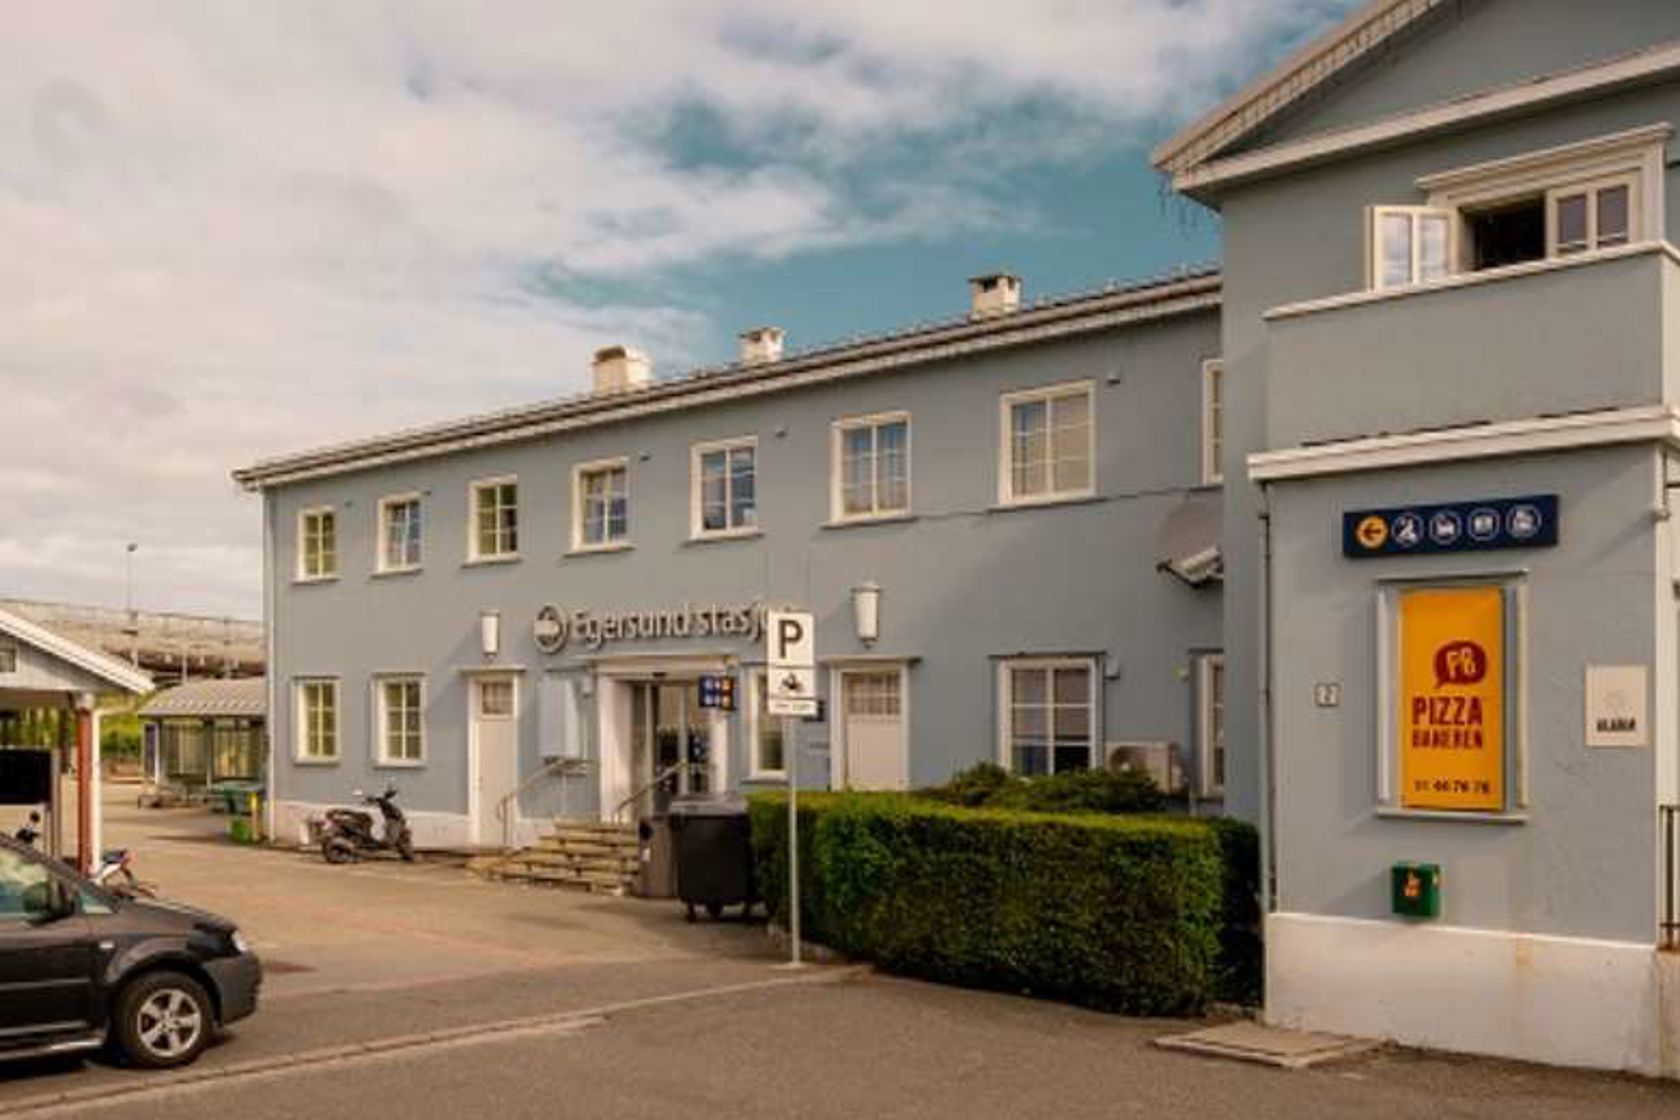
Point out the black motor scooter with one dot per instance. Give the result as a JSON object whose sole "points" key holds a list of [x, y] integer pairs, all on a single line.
{"points": [[348, 833], [31, 830]]}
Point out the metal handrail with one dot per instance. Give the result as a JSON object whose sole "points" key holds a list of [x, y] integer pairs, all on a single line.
{"points": [[555, 767], [1668, 825], [652, 783]]}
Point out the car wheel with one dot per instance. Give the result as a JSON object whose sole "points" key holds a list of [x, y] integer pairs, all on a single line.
{"points": [[164, 1019]]}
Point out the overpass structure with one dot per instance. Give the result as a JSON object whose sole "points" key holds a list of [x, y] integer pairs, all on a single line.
{"points": [[173, 648]]}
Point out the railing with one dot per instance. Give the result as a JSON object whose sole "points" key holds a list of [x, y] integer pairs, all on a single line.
{"points": [[651, 784], [1668, 829], [561, 768]]}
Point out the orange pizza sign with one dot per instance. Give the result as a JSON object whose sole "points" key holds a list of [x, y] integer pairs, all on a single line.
{"points": [[1452, 698]]}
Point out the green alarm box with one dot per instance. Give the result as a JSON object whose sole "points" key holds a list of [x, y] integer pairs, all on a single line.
{"points": [[1415, 890]]}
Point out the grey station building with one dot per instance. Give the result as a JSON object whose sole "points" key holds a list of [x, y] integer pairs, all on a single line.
{"points": [[1007, 526], [1369, 537]]}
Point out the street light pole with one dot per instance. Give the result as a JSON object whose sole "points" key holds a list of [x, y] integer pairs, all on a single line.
{"points": [[128, 605]]}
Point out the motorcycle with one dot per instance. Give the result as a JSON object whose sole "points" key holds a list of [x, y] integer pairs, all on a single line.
{"points": [[348, 833], [116, 874], [30, 831]]}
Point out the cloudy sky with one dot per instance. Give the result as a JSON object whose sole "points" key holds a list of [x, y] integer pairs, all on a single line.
{"points": [[234, 229]]}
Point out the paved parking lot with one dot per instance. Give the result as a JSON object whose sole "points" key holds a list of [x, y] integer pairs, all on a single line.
{"points": [[420, 990]]}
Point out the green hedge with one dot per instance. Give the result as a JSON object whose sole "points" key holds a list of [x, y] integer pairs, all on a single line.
{"points": [[990, 786], [1120, 913]]}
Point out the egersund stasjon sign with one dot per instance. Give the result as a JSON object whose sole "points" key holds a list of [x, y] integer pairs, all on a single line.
{"points": [[556, 627]]}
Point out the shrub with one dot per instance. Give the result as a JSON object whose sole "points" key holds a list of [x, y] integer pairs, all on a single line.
{"points": [[1078, 791], [1118, 913]]}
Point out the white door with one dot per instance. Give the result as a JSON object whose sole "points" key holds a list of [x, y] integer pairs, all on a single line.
{"points": [[873, 705], [494, 751]]}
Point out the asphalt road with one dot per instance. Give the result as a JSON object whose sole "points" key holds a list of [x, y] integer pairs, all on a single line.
{"points": [[422, 993]]}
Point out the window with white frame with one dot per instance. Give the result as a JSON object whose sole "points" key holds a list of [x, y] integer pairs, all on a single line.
{"points": [[769, 748], [317, 720], [495, 698], [8, 658], [317, 544], [400, 707], [601, 505], [1048, 715], [1048, 444], [495, 519], [725, 495], [1210, 723], [399, 533], [1559, 202], [1409, 245], [871, 467], [1213, 420]]}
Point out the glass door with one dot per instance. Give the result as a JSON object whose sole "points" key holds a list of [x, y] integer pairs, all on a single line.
{"points": [[670, 728]]}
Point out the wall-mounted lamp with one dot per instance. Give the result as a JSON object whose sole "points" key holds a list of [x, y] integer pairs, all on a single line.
{"points": [[866, 611], [490, 634]]}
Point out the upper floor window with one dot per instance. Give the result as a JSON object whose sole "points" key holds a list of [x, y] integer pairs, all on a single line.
{"points": [[1540, 205], [1213, 420], [399, 533], [317, 720], [725, 488], [495, 519], [1049, 715], [871, 467], [317, 544], [601, 505], [1048, 444]]}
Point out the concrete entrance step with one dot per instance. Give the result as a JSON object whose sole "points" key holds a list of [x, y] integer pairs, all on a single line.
{"points": [[595, 855], [1246, 1041]]}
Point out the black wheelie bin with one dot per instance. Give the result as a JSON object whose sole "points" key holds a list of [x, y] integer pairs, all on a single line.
{"points": [[712, 843]]}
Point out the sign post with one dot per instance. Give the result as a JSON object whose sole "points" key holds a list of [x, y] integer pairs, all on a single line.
{"points": [[791, 654]]}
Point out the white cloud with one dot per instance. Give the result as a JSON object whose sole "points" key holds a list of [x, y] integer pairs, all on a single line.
{"points": [[232, 229]]}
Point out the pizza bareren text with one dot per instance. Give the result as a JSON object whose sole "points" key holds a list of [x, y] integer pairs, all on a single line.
{"points": [[1449, 722]]}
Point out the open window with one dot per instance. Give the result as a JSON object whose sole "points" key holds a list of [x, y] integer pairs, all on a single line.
{"points": [[1409, 245]]}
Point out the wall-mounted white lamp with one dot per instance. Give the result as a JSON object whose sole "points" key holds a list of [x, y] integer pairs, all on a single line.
{"points": [[490, 633], [866, 611]]}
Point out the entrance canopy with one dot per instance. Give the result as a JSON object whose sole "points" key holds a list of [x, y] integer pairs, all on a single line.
{"points": [[40, 669]]}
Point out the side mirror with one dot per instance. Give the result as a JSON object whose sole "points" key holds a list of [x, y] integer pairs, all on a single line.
{"points": [[48, 901]]}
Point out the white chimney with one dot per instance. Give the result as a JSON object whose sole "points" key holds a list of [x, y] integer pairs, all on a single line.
{"points": [[618, 368], [996, 293], [761, 344]]}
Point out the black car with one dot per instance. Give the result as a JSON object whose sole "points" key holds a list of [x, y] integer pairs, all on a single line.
{"points": [[81, 968]]}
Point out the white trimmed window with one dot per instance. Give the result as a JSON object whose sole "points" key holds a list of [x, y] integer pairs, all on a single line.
{"points": [[1047, 715], [1213, 420], [400, 705], [601, 505], [769, 749], [317, 720], [871, 467], [1210, 723], [1049, 444], [317, 543], [1593, 215], [495, 519], [725, 488], [8, 658], [1409, 245], [399, 533]]}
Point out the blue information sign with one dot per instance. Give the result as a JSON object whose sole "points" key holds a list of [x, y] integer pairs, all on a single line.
{"points": [[1478, 526], [718, 692]]}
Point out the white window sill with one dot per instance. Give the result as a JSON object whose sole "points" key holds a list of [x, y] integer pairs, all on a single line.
{"points": [[1390, 812], [299, 761], [304, 581], [408, 570], [725, 535], [599, 549], [486, 561], [853, 522], [1084, 497], [400, 764]]}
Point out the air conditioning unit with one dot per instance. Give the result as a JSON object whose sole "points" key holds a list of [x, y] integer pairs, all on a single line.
{"points": [[1157, 758]]}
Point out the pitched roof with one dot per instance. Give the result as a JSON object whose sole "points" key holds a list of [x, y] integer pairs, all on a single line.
{"points": [[108, 669], [1290, 82], [245, 697], [1184, 291]]}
